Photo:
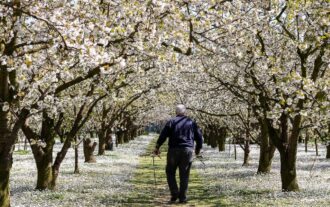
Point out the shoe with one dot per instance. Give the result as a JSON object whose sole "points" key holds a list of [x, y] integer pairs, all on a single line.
{"points": [[183, 200], [173, 199]]}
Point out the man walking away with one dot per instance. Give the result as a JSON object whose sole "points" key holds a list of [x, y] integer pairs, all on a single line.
{"points": [[182, 132]]}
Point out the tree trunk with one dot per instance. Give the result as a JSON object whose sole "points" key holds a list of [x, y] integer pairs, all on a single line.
{"points": [[102, 143], [89, 148], [287, 146], [120, 137], [109, 141], [247, 146], [44, 169], [213, 140], [306, 140], [43, 156], [235, 150], [265, 159], [25, 144], [267, 150], [222, 139], [246, 152], [76, 156], [58, 161], [328, 151], [5, 146], [6, 161], [288, 171], [126, 136], [316, 147]]}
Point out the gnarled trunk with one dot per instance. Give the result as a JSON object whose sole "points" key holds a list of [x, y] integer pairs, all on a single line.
{"points": [[288, 155], [89, 148], [44, 169], [265, 159], [287, 146], [43, 155], [6, 161], [267, 150]]}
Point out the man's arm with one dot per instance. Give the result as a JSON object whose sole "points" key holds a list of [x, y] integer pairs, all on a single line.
{"points": [[162, 137], [198, 138]]}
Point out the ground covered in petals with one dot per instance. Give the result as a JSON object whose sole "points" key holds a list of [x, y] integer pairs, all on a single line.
{"points": [[239, 185], [96, 185], [126, 177]]}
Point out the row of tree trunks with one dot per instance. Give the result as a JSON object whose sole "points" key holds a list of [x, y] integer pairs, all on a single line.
{"points": [[215, 136], [222, 134]]}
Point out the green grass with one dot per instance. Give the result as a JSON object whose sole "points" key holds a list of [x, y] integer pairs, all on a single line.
{"points": [[146, 192], [56, 196], [21, 152]]}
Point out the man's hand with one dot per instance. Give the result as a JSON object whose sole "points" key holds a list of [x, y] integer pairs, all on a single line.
{"points": [[197, 151], [156, 152]]}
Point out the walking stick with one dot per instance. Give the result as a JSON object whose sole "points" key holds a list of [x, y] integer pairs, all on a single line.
{"points": [[154, 167]]}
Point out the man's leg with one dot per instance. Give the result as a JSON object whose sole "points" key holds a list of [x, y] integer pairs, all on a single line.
{"points": [[184, 170], [171, 166]]}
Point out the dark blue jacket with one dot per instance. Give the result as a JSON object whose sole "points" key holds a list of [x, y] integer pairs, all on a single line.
{"points": [[182, 132]]}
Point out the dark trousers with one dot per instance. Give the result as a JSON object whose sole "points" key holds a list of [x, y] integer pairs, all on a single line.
{"points": [[182, 158]]}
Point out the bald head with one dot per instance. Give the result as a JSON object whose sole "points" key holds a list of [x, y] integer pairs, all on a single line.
{"points": [[180, 109]]}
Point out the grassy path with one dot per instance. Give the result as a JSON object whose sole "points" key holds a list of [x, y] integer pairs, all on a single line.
{"points": [[146, 193]]}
